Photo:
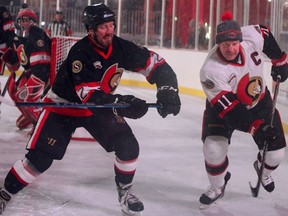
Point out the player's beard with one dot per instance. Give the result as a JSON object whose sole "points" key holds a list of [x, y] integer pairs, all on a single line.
{"points": [[105, 41]]}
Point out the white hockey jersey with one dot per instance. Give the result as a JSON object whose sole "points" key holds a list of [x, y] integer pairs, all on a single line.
{"points": [[246, 80]]}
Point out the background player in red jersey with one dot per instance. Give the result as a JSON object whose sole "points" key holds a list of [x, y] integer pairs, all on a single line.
{"points": [[238, 99], [33, 51], [91, 73]]}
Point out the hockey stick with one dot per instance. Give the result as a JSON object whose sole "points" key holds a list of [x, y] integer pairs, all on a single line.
{"points": [[69, 105], [2, 65], [255, 190], [3, 92]]}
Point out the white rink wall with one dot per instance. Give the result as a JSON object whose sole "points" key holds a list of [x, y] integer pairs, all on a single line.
{"points": [[187, 64]]}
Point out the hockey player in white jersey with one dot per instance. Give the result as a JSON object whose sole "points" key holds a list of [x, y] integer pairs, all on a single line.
{"points": [[238, 99]]}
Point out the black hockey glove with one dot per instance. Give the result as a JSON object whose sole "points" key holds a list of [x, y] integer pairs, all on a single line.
{"points": [[136, 107], [280, 68], [169, 101], [265, 133], [11, 60]]}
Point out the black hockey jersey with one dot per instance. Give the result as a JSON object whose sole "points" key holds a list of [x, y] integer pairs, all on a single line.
{"points": [[88, 70], [7, 28], [34, 52]]}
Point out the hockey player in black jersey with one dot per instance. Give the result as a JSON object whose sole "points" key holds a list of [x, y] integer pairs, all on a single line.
{"points": [[32, 51], [91, 73], [7, 33], [238, 99]]}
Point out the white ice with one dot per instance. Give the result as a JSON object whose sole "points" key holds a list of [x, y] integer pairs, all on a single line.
{"points": [[170, 176]]}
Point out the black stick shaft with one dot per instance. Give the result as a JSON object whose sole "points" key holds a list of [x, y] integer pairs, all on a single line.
{"points": [[255, 190], [69, 105]]}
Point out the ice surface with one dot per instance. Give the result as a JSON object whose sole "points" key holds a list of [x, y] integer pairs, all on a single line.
{"points": [[170, 176]]}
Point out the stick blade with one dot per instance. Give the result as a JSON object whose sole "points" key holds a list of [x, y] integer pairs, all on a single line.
{"points": [[254, 190]]}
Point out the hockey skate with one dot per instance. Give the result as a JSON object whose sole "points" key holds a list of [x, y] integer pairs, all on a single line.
{"points": [[266, 180], [4, 199], [213, 194], [129, 203]]}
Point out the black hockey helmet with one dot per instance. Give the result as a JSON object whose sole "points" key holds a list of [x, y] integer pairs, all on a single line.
{"points": [[96, 14]]}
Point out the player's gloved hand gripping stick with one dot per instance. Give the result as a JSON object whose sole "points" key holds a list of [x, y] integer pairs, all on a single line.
{"points": [[255, 190]]}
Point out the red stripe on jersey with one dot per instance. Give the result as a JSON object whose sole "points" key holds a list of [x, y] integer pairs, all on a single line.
{"points": [[42, 118], [100, 52], [217, 97], [9, 25], [152, 63], [265, 32], [67, 111], [78, 112], [39, 58], [224, 103], [225, 111], [85, 90]]}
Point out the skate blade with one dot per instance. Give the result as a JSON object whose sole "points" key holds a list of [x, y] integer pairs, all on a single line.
{"points": [[132, 213], [205, 206]]}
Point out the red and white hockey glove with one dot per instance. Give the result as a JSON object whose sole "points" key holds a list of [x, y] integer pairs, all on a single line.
{"points": [[280, 68]]}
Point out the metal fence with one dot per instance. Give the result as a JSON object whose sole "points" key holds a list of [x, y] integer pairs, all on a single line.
{"points": [[165, 23], [70, 15]]}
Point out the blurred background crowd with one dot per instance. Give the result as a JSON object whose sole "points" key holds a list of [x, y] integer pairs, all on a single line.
{"points": [[184, 24]]}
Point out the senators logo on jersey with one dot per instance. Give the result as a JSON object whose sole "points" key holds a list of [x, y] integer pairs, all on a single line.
{"points": [[22, 55], [111, 78], [249, 90]]}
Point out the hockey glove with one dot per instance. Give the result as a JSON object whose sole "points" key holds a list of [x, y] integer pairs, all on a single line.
{"points": [[169, 101], [280, 68], [264, 133], [11, 60], [136, 107]]}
